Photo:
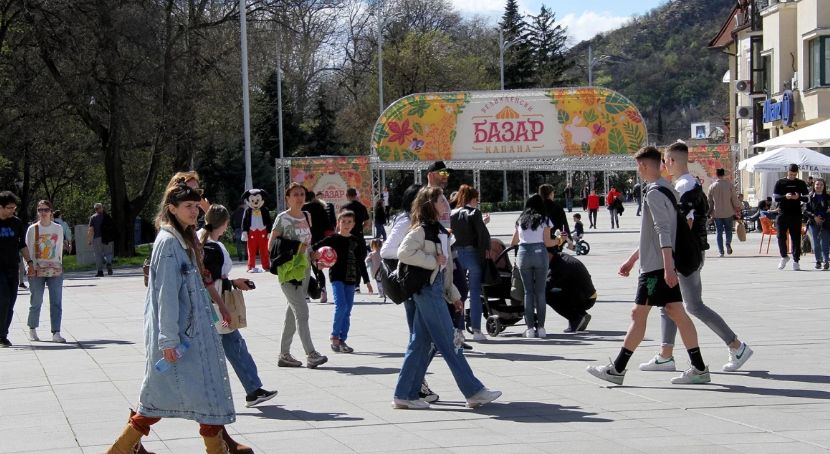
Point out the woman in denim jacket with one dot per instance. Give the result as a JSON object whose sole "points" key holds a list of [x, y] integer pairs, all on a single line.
{"points": [[427, 246], [178, 309]]}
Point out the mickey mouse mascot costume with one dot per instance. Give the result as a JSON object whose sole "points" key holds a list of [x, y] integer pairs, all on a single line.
{"points": [[256, 225]]}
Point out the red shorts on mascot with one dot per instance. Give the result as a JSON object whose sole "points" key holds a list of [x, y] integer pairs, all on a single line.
{"points": [[256, 225]]}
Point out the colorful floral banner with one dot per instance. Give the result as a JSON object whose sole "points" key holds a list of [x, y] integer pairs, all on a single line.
{"points": [[333, 176], [509, 125], [705, 160]]}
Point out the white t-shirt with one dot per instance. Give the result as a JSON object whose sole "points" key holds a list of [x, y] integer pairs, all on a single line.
{"points": [[529, 236], [683, 184], [49, 244]]}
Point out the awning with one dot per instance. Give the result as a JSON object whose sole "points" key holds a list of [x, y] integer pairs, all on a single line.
{"points": [[779, 159], [817, 135]]}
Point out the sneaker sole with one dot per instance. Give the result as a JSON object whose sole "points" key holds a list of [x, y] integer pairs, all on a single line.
{"points": [[609, 378], [479, 403], [708, 379], [283, 364], [430, 398], [314, 366], [747, 355], [398, 406]]}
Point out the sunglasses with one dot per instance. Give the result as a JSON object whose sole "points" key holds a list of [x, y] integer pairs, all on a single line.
{"points": [[44, 210], [443, 173]]}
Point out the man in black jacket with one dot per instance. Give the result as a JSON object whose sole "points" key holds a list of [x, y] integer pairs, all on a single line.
{"points": [[790, 193], [101, 235], [570, 291]]}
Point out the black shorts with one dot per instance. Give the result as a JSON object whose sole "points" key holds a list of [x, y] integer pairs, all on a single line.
{"points": [[652, 290]]}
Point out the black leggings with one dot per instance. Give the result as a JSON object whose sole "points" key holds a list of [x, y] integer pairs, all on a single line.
{"points": [[792, 224]]}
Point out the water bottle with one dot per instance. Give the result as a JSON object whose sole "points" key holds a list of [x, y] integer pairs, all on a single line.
{"points": [[163, 365]]}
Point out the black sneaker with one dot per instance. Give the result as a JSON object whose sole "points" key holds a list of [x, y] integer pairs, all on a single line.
{"points": [[818, 265], [109, 271], [259, 396], [22, 285], [427, 394], [826, 266], [99, 274], [583, 324], [5, 343]]}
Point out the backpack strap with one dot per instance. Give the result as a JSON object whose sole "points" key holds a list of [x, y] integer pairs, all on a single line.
{"points": [[670, 195]]}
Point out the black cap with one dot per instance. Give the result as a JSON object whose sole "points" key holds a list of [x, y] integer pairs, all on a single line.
{"points": [[793, 168], [436, 166]]}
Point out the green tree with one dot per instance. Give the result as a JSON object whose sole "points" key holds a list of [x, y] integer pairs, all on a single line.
{"points": [[549, 53], [518, 58]]}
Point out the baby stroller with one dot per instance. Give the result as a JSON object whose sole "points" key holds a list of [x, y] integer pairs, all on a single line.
{"points": [[498, 307]]}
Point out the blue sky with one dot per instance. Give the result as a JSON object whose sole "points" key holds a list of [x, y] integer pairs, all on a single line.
{"points": [[584, 18]]}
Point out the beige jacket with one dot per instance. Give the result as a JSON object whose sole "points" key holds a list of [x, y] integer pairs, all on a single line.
{"points": [[723, 200], [415, 250]]}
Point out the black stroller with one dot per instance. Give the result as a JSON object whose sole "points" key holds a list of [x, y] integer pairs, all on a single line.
{"points": [[498, 307]]}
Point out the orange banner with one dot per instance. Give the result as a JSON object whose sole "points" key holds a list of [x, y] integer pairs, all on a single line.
{"points": [[333, 175]]}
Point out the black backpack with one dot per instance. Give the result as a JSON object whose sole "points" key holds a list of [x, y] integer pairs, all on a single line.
{"points": [[687, 252]]}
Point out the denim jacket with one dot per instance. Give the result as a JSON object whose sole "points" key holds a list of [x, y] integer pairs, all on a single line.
{"points": [[178, 307]]}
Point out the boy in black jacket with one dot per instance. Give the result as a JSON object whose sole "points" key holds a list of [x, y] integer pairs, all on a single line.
{"points": [[344, 275]]}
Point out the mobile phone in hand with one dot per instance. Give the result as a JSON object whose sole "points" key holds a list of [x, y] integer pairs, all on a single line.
{"points": [[250, 284]]}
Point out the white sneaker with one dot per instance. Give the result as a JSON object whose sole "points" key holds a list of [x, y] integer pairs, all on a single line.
{"points": [[659, 363], [737, 358], [56, 337], [541, 333], [692, 376], [608, 373], [783, 263], [33, 335], [417, 404], [478, 336], [530, 333], [796, 266], [485, 396]]}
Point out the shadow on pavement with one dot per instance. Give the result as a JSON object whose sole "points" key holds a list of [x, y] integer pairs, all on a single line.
{"points": [[363, 370], [276, 412], [380, 354], [802, 393], [529, 412], [85, 344], [799, 378], [529, 357]]}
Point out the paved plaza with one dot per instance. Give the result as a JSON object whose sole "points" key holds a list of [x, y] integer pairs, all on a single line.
{"points": [[74, 398]]}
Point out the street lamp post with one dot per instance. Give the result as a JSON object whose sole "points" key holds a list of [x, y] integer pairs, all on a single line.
{"points": [[281, 174], [593, 62], [246, 114]]}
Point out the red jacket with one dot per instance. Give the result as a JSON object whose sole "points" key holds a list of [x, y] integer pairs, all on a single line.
{"points": [[612, 195], [593, 202]]}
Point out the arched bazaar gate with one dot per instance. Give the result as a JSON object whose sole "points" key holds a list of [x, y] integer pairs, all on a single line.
{"points": [[559, 129], [581, 129]]}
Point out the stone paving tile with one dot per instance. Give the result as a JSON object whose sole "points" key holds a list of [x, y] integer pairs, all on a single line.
{"points": [[80, 392]]}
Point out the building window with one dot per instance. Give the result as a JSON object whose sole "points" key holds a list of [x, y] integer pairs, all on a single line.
{"points": [[759, 66], [819, 58]]}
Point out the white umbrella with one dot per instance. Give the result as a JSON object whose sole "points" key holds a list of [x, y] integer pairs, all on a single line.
{"points": [[817, 135], [777, 161]]}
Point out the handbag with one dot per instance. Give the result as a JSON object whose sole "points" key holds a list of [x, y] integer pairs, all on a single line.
{"points": [[517, 288], [40, 269], [489, 273], [235, 303], [741, 231], [411, 278], [314, 290], [387, 277]]}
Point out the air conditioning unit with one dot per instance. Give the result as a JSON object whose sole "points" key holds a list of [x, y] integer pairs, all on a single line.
{"points": [[743, 86], [794, 81], [743, 112]]}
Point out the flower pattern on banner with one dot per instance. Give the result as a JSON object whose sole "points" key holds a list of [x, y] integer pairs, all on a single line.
{"points": [[347, 171], [594, 121]]}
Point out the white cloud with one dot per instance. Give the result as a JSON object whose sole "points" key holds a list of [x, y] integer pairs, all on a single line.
{"points": [[590, 23], [481, 7]]}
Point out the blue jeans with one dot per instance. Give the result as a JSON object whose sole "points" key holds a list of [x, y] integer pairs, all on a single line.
{"points": [[8, 296], [432, 325], [821, 242], [236, 351], [569, 203], [55, 285], [721, 225], [343, 303], [380, 231], [533, 267], [470, 261]]}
